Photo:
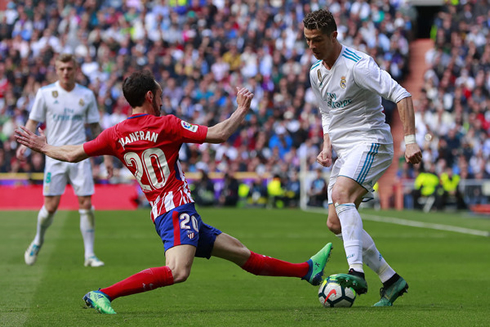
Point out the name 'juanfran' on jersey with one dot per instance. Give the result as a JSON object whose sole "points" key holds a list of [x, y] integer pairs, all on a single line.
{"points": [[149, 147], [138, 136], [349, 97]]}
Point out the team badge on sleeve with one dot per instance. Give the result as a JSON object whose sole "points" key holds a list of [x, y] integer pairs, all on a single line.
{"points": [[189, 127]]}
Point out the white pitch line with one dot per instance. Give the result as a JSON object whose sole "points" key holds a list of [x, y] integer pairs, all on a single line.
{"points": [[420, 224], [405, 222]]}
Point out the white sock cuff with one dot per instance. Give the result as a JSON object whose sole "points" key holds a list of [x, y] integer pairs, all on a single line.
{"points": [[45, 213], [86, 211], [352, 242], [339, 236], [339, 208]]}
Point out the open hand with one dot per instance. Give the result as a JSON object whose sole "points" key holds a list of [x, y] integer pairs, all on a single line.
{"points": [[28, 139]]}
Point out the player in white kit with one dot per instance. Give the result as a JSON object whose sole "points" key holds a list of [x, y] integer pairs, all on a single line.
{"points": [[348, 85], [66, 107]]}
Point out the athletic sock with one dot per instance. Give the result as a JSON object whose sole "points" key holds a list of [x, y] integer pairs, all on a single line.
{"points": [[374, 260], [44, 220], [262, 265], [354, 272], [351, 224], [146, 280], [391, 281], [87, 228]]}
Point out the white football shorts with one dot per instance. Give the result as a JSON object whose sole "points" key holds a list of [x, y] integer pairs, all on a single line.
{"points": [[365, 163], [58, 173]]}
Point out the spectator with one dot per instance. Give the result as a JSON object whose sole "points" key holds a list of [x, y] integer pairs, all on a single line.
{"points": [[450, 189], [275, 192], [229, 193], [317, 194], [203, 192], [257, 195], [293, 190], [426, 186]]}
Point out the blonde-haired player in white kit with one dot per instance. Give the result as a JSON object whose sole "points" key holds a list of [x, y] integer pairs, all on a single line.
{"points": [[348, 85], [66, 107]]}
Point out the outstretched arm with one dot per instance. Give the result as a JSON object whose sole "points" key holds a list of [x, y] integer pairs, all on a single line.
{"points": [[220, 132], [108, 162], [413, 154], [70, 153]]}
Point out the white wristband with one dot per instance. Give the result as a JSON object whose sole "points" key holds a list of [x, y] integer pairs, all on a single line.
{"points": [[409, 139]]}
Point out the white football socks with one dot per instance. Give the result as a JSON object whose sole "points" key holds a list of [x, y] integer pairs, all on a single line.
{"points": [[87, 227], [372, 257], [351, 223], [44, 220]]}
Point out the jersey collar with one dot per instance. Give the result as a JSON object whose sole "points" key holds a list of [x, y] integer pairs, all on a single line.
{"points": [[137, 115]]}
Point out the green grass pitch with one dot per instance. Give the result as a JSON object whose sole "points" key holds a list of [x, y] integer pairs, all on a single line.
{"points": [[448, 272]]}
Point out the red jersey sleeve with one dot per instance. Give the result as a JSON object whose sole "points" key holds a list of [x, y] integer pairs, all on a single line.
{"points": [[101, 145], [190, 133]]}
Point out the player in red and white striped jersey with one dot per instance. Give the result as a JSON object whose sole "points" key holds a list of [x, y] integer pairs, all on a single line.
{"points": [[148, 145]]}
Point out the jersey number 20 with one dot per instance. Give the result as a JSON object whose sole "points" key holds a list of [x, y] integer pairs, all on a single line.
{"points": [[152, 161]]}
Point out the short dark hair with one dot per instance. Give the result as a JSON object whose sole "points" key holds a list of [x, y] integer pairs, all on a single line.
{"points": [[137, 85], [322, 20]]}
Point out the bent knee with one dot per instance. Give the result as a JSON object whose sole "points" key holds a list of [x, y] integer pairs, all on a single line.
{"points": [[180, 275], [333, 222], [334, 226]]}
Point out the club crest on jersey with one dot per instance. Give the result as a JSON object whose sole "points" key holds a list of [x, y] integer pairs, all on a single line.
{"points": [[190, 127], [81, 102], [54, 94], [320, 77], [343, 82]]}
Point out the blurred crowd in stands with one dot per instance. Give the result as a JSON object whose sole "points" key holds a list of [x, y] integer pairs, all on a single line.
{"points": [[452, 115], [200, 50]]}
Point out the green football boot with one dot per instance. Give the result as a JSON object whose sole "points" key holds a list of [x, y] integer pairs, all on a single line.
{"points": [[353, 279], [99, 301], [391, 293], [317, 265]]}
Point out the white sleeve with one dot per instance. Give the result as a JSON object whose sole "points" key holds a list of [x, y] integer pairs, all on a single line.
{"points": [[369, 76], [93, 115], [321, 105], [38, 112]]}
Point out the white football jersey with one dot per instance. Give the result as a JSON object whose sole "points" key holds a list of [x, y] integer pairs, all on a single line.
{"points": [[65, 113], [349, 97]]}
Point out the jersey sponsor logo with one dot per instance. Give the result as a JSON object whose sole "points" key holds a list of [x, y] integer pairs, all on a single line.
{"points": [[338, 104], [332, 102], [189, 127], [54, 94], [343, 82], [68, 114]]}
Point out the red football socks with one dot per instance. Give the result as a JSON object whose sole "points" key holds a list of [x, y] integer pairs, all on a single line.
{"points": [[146, 280], [259, 264]]}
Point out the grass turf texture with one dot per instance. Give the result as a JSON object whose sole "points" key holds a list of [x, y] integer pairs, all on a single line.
{"points": [[447, 272]]}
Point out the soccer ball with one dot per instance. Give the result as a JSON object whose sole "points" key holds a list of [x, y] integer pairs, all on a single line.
{"points": [[332, 295]]}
